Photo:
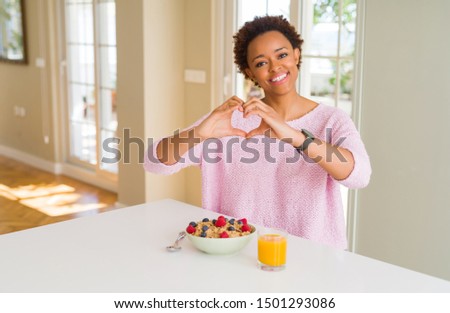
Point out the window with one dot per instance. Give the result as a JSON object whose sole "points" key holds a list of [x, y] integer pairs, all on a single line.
{"points": [[328, 52], [328, 28], [91, 80], [246, 11]]}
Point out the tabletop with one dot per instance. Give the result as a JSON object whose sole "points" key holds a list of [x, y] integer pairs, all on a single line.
{"points": [[124, 251]]}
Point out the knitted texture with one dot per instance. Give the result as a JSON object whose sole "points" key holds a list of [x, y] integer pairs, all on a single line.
{"points": [[268, 182]]}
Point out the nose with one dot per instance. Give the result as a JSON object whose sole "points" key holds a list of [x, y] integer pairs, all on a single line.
{"points": [[274, 65]]}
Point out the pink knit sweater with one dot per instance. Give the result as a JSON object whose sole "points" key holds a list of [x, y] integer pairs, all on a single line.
{"points": [[270, 183]]}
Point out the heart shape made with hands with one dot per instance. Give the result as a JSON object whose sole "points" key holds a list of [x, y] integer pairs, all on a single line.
{"points": [[272, 124], [218, 123]]}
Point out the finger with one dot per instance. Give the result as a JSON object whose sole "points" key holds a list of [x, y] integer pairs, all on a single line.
{"points": [[255, 111], [238, 132], [253, 100], [236, 98], [255, 132], [255, 103], [233, 99], [249, 102], [233, 106], [228, 106]]}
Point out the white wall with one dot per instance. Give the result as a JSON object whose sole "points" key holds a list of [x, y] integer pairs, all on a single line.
{"points": [[404, 214]]}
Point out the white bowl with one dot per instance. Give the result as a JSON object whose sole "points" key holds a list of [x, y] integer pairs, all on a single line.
{"points": [[221, 245]]}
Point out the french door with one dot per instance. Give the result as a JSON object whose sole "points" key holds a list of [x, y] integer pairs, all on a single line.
{"points": [[90, 45], [328, 28]]}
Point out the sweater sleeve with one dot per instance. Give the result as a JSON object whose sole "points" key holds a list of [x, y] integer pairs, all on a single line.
{"points": [[345, 135], [192, 157]]}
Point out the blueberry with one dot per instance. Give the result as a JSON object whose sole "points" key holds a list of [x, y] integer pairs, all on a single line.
{"points": [[239, 222], [203, 234], [214, 221], [193, 224], [205, 228], [205, 220], [231, 221], [231, 228]]}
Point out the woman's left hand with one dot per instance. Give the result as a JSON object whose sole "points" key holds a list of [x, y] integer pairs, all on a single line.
{"points": [[270, 121]]}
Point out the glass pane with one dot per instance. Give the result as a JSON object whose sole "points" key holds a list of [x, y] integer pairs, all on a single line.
{"points": [[321, 27], [80, 27], [83, 142], [107, 23], [108, 109], [109, 155], [108, 67], [248, 9], [348, 27], [81, 64], [346, 86], [322, 81], [279, 7], [78, 1], [82, 103], [325, 11]]}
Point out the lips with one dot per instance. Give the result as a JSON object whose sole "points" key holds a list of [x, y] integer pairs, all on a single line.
{"points": [[279, 78]]}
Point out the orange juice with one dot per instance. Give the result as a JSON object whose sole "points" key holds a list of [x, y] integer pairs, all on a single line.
{"points": [[272, 249]]}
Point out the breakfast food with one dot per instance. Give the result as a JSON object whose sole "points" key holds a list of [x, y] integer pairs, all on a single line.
{"points": [[219, 228]]}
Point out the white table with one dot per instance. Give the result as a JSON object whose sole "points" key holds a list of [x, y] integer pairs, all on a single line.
{"points": [[124, 251]]}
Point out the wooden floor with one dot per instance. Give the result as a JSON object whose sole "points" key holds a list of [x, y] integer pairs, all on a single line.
{"points": [[30, 197]]}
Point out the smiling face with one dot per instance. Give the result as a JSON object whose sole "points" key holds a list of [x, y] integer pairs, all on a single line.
{"points": [[273, 63]]}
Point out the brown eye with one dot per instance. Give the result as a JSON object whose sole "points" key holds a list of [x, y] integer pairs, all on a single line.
{"points": [[259, 64], [283, 55]]}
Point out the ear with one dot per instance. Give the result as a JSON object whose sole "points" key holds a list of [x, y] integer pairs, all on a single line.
{"points": [[249, 73], [297, 55]]}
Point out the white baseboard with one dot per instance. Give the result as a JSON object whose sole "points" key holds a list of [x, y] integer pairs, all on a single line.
{"points": [[70, 170], [30, 159]]}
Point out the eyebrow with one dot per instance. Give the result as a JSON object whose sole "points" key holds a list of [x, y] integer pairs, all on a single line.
{"points": [[262, 55]]}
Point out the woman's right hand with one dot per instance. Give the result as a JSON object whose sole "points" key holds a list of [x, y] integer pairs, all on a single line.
{"points": [[218, 123]]}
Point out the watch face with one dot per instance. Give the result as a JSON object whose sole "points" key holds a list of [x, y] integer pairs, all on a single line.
{"points": [[307, 134]]}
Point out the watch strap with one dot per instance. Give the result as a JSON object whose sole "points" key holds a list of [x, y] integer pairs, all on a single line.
{"points": [[309, 139]]}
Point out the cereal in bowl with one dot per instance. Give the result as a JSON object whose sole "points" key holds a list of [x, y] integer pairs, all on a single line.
{"points": [[219, 228]]}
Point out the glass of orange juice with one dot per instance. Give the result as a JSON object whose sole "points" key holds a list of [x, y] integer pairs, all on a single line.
{"points": [[272, 245]]}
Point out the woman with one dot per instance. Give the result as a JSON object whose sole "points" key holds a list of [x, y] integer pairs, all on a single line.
{"points": [[279, 160]]}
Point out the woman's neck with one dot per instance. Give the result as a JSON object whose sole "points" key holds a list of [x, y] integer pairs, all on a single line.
{"points": [[289, 106]]}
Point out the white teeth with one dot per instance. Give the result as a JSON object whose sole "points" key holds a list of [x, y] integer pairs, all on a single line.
{"points": [[277, 79]]}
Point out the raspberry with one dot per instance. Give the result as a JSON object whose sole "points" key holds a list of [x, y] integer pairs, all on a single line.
{"points": [[244, 221], [220, 222], [190, 229], [224, 235], [245, 227]]}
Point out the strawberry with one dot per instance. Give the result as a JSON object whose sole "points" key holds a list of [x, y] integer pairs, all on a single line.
{"points": [[220, 222], [190, 229], [244, 221], [224, 235], [245, 227]]}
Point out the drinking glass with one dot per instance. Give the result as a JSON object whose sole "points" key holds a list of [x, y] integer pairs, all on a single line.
{"points": [[272, 245]]}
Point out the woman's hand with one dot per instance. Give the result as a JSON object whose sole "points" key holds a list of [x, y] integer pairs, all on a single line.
{"points": [[272, 124], [218, 123]]}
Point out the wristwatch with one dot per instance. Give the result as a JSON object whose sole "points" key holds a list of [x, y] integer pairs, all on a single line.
{"points": [[309, 138]]}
